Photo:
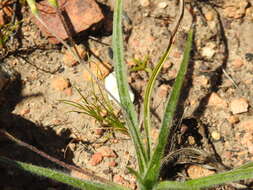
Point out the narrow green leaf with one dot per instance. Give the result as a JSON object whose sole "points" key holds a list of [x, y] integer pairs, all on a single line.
{"points": [[172, 185], [152, 173], [147, 99], [122, 83], [204, 182], [153, 77], [61, 177], [248, 165], [230, 176], [53, 3], [32, 5]]}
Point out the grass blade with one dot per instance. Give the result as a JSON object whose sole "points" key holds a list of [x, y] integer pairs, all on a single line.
{"points": [[226, 177], [248, 165], [153, 77], [152, 173], [172, 185], [121, 76], [60, 176]]}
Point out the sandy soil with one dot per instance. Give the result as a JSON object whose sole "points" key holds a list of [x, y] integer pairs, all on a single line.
{"points": [[215, 114]]}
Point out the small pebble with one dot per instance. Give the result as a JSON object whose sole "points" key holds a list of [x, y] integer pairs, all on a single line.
{"points": [[167, 65], [249, 13], [239, 105], [96, 159], [196, 171], [233, 119], [119, 179], [162, 5], [217, 101], [209, 16], [112, 164], [60, 83], [216, 135], [107, 152], [208, 51], [191, 140]]}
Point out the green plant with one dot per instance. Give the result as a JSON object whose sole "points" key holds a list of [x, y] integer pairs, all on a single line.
{"points": [[149, 160], [6, 31], [8, 25], [99, 107], [141, 65]]}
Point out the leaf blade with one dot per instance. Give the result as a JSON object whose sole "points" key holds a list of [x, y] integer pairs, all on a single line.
{"points": [[61, 177], [208, 181], [123, 87], [155, 164], [153, 77]]}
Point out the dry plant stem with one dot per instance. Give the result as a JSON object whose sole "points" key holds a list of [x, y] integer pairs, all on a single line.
{"points": [[183, 151], [230, 78], [178, 21], [85, 171], [66, 28]]}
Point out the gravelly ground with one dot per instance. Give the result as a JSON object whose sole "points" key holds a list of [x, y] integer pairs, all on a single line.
{"points": [[217, 99]]}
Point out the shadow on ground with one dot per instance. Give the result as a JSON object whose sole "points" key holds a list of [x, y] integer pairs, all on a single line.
{"points": [[43, 138]]}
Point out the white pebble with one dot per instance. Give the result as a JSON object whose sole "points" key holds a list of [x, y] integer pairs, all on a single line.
{"points": [[239, 105], [111, 86], [216, 135], [209, 50], [162, 5]]}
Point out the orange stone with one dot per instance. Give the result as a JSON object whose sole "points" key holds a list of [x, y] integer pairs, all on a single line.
{"points": [[216, 101], [239, 105], [96, 158], [195, 172], [60, 83], [81, 14]]}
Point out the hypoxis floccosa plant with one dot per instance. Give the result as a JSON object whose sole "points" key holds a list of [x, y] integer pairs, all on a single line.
{"points": [[149, 160]]}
